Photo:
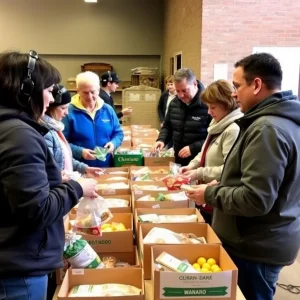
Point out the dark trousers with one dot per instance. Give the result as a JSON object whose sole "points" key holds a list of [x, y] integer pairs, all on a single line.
{"points": [[257, 281], [207, 216]]}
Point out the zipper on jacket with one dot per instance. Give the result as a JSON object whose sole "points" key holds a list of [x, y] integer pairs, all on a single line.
{"points": [[43, 243]]}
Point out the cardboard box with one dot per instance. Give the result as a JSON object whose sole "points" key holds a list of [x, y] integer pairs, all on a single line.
{"points": [[158, 161], [156, 204], [204, 286], [115, 169], [146, 186], [113, 191], [132, 258], [109, 178], [157, 170], [118, 241], [161, 211], [126, 158], [153, 177], [114, 210], [131, 276], [199, 229]]}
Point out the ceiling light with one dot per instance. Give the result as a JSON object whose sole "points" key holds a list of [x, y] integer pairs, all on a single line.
{"points": [[90, 1]]}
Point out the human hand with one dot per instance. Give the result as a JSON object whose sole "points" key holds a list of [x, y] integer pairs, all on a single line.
{"points": [[110, 146], [88, 186], [192, 174], [185, 152], [158, 146], [182, 170], [213, 183], [88, 154], [127, 111], [65, 177], [197, 195], [93, 172]]}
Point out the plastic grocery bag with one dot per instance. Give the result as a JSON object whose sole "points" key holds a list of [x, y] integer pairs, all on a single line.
{"points": [[80, 254], [91, 213]]}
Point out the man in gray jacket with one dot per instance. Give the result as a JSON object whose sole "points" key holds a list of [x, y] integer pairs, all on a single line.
{"points": [[257, 201]]}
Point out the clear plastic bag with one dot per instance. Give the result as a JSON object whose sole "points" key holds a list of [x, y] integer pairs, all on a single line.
{"points": [[100, 153], [91, 214]]}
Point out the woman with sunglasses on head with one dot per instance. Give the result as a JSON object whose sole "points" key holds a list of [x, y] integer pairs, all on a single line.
{"points": [[33, 199], [55, 139]]}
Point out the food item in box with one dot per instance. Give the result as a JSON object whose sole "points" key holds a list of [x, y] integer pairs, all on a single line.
{"points": [[154, 218], [115, 178], [117, 172], [207, 266], [144, 177], [175, 264], [165, 236], [115, 202], [91, 213], [148, 187], [102, 290], [146, 198], [174, 182], [79, 254], [114, 226], [109, 261], [113, 186]]}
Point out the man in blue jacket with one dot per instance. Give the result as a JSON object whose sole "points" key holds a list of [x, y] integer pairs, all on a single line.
{"points": [[91, 123]]}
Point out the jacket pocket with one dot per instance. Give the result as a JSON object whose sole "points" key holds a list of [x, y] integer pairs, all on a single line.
{"points": [[43, 243]]}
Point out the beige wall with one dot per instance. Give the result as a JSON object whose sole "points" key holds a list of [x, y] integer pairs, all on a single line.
{"points": [[182, 32], [109, 27], [69, 65]]}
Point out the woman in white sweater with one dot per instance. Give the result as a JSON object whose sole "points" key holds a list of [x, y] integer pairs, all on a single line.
{"points": [[222, 133]]}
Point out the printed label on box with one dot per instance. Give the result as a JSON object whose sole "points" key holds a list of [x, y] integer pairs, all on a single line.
{"points": [[179, 285], [77, 271]]}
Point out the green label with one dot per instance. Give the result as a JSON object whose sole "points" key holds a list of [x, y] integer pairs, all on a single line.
{"points": [[195, 292], [182, 267]]}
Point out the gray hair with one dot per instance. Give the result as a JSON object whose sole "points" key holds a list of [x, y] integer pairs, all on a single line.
{"points": [[87, 77], [183, 73]]}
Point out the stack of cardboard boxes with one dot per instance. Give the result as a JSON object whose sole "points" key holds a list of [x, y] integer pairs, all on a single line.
{"points": [[129, 245]]}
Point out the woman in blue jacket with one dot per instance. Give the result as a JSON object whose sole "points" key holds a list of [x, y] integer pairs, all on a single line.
{"points": [[55, 138], [91, 123], [33, 197]]}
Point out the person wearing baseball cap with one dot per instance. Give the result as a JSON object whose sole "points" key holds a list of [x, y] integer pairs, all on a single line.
{"points": [[109, 83]]}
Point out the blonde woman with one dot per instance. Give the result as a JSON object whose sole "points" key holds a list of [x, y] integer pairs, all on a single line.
{"points": [[222, 133]]}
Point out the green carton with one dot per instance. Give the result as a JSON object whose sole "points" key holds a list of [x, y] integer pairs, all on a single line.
{"points": [[133, 158]]}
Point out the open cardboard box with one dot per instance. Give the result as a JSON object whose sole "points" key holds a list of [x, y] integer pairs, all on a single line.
{"points": [[222, 285], [132, 258], [142, 186], [130, 276], [155, 170], [110, 178], [162, 211], [118, 241], [158, 161], [126, 209], [116, 169], [136, 194], [153, 177], [113, 191], [199, 229]]}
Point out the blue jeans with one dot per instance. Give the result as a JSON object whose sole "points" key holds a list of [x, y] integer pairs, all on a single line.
{"points": [[257, 281], [25, 288]]}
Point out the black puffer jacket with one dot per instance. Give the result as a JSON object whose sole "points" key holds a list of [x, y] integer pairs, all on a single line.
{"points": [[187, 125]]}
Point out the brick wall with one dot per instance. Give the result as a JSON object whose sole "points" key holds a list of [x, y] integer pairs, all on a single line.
{"points": [[182, 32], [231, 28]]}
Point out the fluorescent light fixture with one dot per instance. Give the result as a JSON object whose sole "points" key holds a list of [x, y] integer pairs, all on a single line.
{"points": [[90, 1]]}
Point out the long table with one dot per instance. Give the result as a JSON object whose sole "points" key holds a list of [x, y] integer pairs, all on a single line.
{"points": [[149, 292]]}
